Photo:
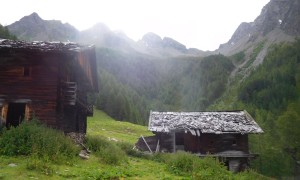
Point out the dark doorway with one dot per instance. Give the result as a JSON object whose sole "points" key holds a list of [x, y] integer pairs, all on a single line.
{"points": [[179, 141], [15, 114]]}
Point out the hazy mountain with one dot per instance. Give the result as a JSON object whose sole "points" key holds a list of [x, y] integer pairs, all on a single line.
{"points": [[155, 42], [152, 43], [279, 21], [33, 28], [101, 36]]}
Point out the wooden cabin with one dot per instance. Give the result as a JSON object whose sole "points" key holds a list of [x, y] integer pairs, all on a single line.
{"points": [[47, 80], [218, 134]]}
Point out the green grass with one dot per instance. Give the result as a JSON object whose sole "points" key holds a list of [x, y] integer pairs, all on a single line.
{"points": [[168, 166], [93, 168], [104, 125]]}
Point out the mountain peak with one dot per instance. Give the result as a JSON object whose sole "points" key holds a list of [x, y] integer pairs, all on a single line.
{"points": [[171, 43], [279, 17], [34, 17], [282, 14], [152, 40], [34, 28], [34, 14]]}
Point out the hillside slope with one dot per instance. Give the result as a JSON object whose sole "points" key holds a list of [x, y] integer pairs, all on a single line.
{"points": [[134, 84], [34, 28], [278, 22], [271, 93]]}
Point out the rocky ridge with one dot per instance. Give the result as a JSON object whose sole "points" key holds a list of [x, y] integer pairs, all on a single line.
{"points": [[34, 28], [279, 21]]}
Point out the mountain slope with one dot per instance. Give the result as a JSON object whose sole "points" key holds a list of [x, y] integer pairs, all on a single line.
{"points": [[151, 43], [271, 94], [279, 21], [134, 84], [33, 28]]}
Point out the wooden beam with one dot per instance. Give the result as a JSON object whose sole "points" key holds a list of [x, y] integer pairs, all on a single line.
{"points": [[146, 143]]}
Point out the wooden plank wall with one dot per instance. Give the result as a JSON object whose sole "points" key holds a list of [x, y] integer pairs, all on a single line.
{"points": [[214, 143], [167, 142], [43, 85], [206, 143], [73, 118], [40, 86], [87, 63], [151, 141]]}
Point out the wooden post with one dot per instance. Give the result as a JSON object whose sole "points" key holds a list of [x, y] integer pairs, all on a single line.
{"points": [[157, 147], [146, 143], [174, 141]]}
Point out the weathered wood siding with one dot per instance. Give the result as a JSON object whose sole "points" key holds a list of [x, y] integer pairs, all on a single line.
{"points": [[87, 62], [78, 69], [40, 86], [51, 80], [151, 142], [215, 143], [167, 142], [206, 143]]}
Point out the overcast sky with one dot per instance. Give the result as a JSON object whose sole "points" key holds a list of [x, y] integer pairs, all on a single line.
{"points": [[203, 24]]}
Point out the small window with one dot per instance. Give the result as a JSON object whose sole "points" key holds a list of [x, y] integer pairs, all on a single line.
{"points": [[26, 71], [234, 143]]}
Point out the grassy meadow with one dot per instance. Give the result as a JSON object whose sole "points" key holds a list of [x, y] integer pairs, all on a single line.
{"points": [[112, 156]]}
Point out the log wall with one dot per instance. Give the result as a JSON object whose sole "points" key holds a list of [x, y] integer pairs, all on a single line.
{"points": [[36, 78], [214, 143], [39, 86], [206, 143]]}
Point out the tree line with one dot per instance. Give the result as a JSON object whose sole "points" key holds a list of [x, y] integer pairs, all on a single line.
{"points": [[271, 93], [133, 84], [5, 34]]}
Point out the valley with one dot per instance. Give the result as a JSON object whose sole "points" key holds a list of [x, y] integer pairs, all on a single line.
{"points": [[258, 70]]}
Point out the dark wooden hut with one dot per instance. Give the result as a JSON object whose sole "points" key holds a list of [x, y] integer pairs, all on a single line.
{"points": [[47, 80], [218, 134]]}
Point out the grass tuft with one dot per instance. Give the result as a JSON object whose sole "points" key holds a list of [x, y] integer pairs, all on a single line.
{"points": [[107, 151], [34, 139]]}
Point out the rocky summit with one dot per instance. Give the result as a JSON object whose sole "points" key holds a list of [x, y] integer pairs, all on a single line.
{"points": [[34, 28], [279, 21]]}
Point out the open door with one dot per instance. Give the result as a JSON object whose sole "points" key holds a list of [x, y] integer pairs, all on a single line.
{"points": [[15, 114]]}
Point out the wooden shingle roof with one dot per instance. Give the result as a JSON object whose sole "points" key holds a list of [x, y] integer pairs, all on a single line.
{"points": [[41, 45], [205, 122]]}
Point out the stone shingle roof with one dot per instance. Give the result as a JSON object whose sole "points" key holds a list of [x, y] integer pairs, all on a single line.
{"points": [[41, 45], [205, 122]]}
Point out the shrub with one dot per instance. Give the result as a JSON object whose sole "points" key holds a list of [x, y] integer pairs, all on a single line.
{"points": [[107, 151], [33, 138], [181, 163], [186, 164], [210, 168]]}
